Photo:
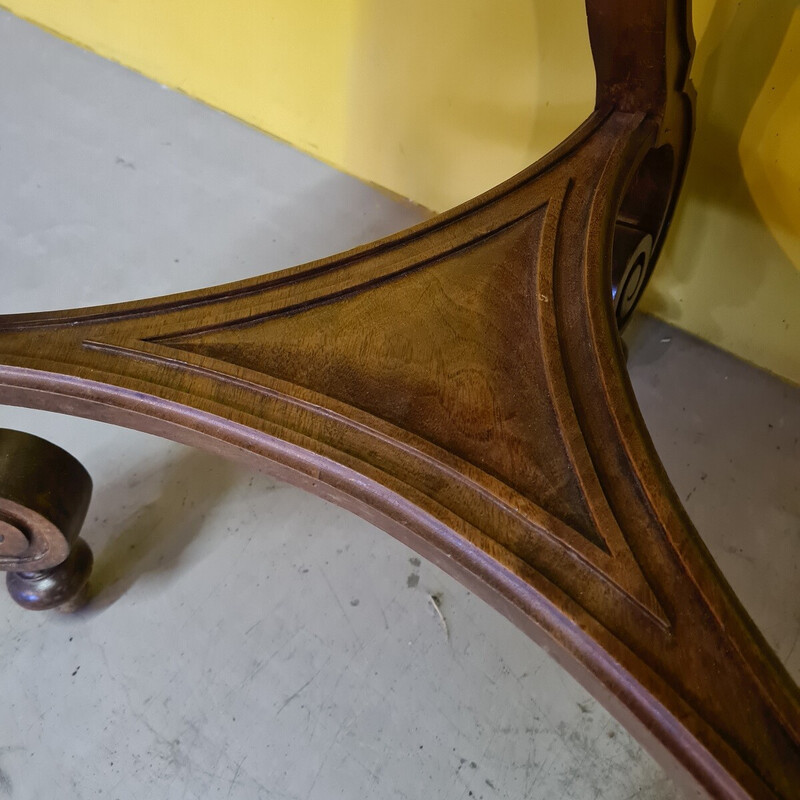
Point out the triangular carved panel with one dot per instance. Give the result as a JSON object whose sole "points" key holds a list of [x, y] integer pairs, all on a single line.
{"points": [[448, 353]]}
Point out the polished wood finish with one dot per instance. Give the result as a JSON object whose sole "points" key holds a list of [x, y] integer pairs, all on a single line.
{"points": [[462, 385], [44, 496], [64, 587]]}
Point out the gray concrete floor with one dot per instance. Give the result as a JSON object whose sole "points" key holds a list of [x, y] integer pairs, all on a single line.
{"points": [[247, 640]]}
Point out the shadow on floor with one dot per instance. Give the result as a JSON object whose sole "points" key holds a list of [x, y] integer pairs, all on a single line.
{"points": [[156, 539]]}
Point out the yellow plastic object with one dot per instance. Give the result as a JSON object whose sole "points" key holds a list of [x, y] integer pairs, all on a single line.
{"points": [[732, 275]]}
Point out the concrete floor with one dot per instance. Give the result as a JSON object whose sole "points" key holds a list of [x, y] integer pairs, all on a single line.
{"points": [[246, 640]]}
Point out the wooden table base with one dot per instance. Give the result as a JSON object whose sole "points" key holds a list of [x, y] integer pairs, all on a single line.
{"points": [[462, 385]]}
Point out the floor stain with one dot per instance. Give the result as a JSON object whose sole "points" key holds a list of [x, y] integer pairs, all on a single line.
{"points": [[6, 786]]}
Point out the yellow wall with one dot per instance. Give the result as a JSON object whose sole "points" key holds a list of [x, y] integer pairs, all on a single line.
{"points": [[440, 99], [731, 270]]}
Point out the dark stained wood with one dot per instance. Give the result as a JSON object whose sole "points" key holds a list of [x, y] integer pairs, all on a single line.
{"points": [[462, 385], [64, 587], [44, 497]]}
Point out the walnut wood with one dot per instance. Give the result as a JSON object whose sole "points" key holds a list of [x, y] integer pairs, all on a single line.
{"points": [[462, 385], [63, 587], [44, 497]]}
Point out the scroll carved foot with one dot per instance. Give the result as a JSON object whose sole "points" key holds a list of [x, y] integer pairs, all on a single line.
{"points": [[64, 586], [44, 496]]}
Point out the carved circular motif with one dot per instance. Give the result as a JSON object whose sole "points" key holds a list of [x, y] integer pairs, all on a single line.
{"points": [[29, 541]]}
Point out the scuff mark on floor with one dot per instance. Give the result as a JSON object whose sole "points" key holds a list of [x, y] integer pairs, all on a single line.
{"points": [[436, 601]]}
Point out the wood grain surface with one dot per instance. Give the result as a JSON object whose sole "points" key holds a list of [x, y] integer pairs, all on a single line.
{"points": [[462, 385]]}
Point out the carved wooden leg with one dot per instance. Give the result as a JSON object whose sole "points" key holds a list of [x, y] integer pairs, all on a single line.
{"points": [[44, 495], [462, 386]]}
